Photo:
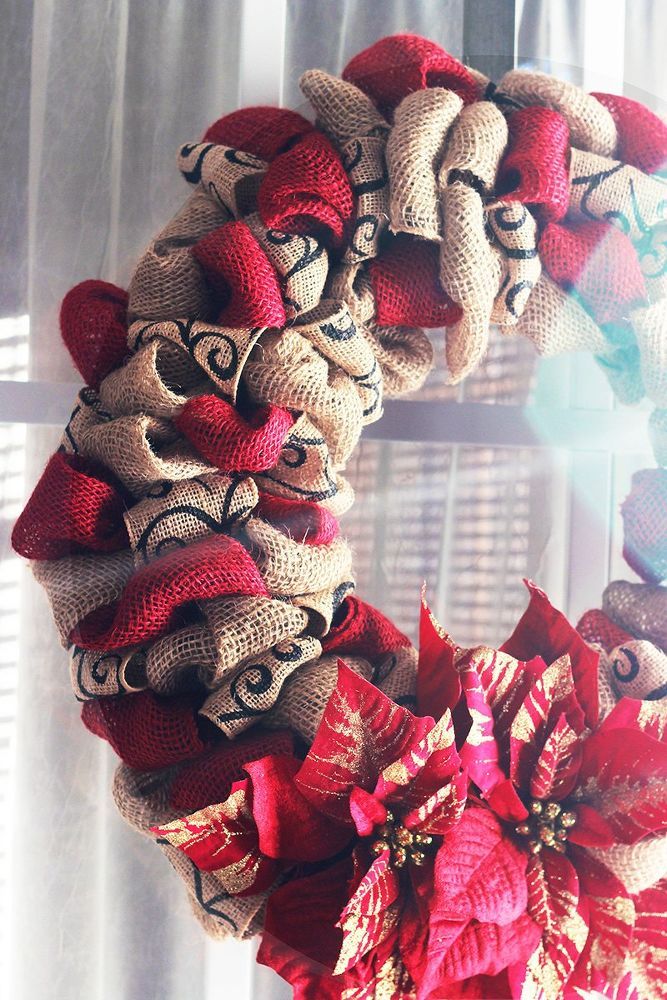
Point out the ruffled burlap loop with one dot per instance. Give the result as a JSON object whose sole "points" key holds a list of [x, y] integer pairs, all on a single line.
{"points": [[351, 283], [285, 369], [639, 608], [343, 111], [244, 698], [364, 162], [142, 797], [644, 513], [304, 471], [321, 606], [650, 326], [605, 189], [592, 126], [405, 355], [652, 254], [157, 380], [638, 866], [475, 145], [289, 567], [396, 675], [88, 412], [415, 150], [98, 674], [556, 323], [220, 352], [186, 511], [470, 273], [168, 281], [306, 693], [77, 585], [657, 428], [638, 669], [142, 451], [172, 660], [514, 233], [301, 261], [229, 176]]}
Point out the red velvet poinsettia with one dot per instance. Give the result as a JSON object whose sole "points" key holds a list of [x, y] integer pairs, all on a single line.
{"points": [[390, 881], [563, 782]]}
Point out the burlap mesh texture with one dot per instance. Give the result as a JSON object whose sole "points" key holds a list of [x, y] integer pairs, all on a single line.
{"points": [[290, 568], [650, 326], [322, 605], [514, 234], [262, 130], [405, 356], [638, 669], [168, 281], [250, 691], [77, 585], [475, 144], [142, 451], [220, 352], [188, 510], [301, 262], [638, 866], [350, 283], [304, 471], [657, 428], [591, 125], [640, 608], [230, 177], [470, 273], [331, 329], [599, 186], [644, 512], [343, 111], [235, 629], [285, 369], [651, 252], [96, 674], [535, 167], [157, 380], [364, 162], [93, 326], [142, 797], [87, 412], [642, 135], [396, 675], [415, 149], [556, 323]]}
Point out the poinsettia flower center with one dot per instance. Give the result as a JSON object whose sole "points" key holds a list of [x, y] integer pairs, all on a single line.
{"points": [[404, 846], [547, 826]]}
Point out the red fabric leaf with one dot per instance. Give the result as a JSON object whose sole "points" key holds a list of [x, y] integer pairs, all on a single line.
{"points": [[442, 810], [93, 324], [306, 190], [303, 520], [367, 811], [631, 713], [397, 65], [369, 916], [648, 953], [361, 732], [624, 777], [557, 766], [642, 135], [288, 826], [479, 753], [222, 839], [535, 168], [362, 630], [227, 440], [75, 507], [424, 767], [242, 276], [591, 829], [438, 684], [405, 278], [263, 131], [543, 631], [150, 603], [611, 915]]}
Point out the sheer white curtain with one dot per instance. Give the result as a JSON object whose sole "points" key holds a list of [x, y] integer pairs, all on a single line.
{"points": [[99, 94]]}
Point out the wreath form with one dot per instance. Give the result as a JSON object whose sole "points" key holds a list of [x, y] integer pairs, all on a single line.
{"points": [[186, 530]]}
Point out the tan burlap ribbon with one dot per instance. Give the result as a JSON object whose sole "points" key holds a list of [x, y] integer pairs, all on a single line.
{"points": [[322, 605], [230, 177], [514, 234], [290, 568], [637, 669], [638, 866], [601, 189], [556, 323], [301, 262], [415, 150], [350, 283], [364, 161], [343, 111], [95, 674], [87, 413], [592, 127], [650, 326], [475, 145], [405, 356], [639, 608], [158, 380]]}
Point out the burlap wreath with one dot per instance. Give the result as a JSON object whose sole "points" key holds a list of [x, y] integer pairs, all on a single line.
{"points": [[186, 529]]}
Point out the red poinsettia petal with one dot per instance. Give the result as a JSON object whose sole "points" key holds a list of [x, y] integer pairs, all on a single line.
{"points": [[648, 952], [557, 766], [442, 810], [555, 905], [222, 839], [438, 684], [424, 768], [624, 777], [506, 803], [361, 732], [551, 695], [297, 832], [544, 631], [591, 829], [649, 716], [370, 916], [479, 753], [475, 988], [367, 811]]}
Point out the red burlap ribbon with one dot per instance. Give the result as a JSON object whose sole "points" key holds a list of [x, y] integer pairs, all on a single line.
{"points": [[406, 285], [302, 520], [263, 131], [362, 630], [535, 168], [93, 324], [227, 440], [642, 136]]}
